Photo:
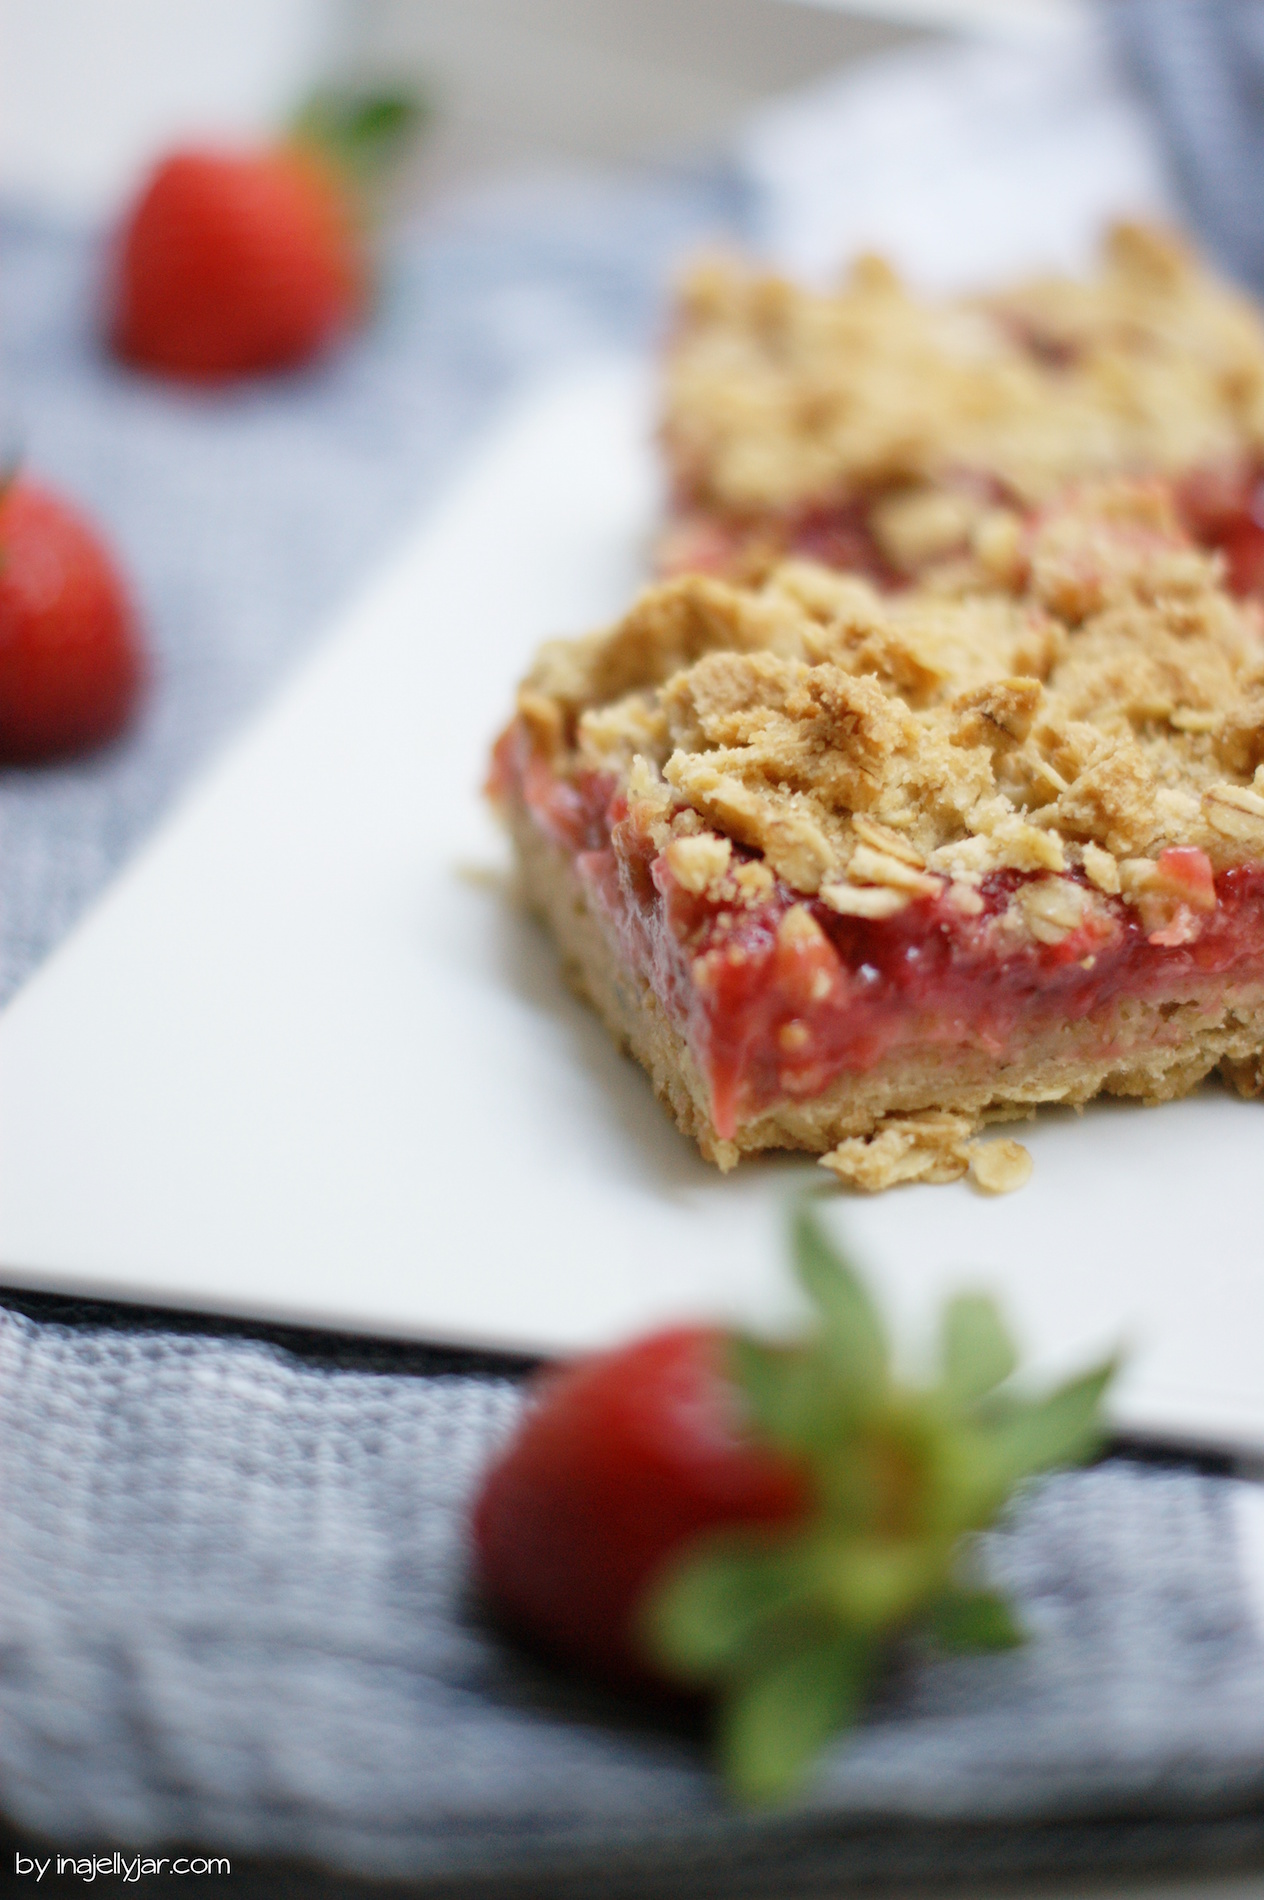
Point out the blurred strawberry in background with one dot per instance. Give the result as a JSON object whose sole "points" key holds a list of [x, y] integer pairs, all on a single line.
{"points": [[236, 263], [231, 265], [72, 664]]}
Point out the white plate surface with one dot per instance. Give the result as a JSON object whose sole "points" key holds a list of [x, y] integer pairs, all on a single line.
{"points": [[302, 1063]]}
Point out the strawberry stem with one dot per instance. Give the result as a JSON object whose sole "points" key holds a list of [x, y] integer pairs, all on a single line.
{"points": [[363, 135]]}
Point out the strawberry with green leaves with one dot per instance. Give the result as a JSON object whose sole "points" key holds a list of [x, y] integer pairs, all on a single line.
{"points": [[236, 263], [760, 1523]]}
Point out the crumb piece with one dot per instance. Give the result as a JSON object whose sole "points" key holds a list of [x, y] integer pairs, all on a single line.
{"points": [[884, 838], [1101, 869], [1137, 876], [1172, 894], [788, 829], [915, 526], [1177, 925], [645, 785], [865, 900], [1007, 843], [1046, 772], [1052, 908], [998, 1167], [699, 862], [799, 930], [1237, 812], [930, 1147], [881, 867], [542, 716], [486, 877], [998, 546], [964, 898], [1177, 811], [1001, 713], [752, 882]]}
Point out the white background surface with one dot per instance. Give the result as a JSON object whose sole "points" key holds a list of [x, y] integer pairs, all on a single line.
{"points": [[962, 162], [993, 16], [92, 90], [302, 1063]]}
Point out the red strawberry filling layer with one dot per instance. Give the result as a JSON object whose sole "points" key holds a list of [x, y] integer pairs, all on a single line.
{"points": [[1222, 511], [780, 998], [1226, 512]]}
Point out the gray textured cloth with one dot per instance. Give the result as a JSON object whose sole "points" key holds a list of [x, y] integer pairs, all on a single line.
{"points": [[234, 1609], [1200, 63]]}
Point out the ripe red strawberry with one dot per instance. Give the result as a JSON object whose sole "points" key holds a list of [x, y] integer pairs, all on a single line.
{"points": [[71, 663], [232, 263], [622, 1459], [760, 1522], [236, 262]]}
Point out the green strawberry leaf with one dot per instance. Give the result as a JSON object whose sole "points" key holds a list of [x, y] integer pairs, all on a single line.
{"points": [[965, 1620], [977, 1352], [1067, 1427], [852, 1339], [709, 1607], [878, 1583], [969, 1480], [781, 1387], [363, 134], [773, 1722]]}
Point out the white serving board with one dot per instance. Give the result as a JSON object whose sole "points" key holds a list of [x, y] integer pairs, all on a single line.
{"points": [[300, 1063]]}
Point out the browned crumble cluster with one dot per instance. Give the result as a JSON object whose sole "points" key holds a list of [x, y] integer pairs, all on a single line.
{"points": [[937, 415], [1108, 704]]}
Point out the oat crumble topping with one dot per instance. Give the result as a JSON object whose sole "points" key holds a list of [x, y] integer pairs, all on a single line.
{"points": [[947, 417], [1103, 709]]}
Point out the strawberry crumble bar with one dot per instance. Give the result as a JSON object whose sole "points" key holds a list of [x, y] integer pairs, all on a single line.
{"points": [[860, 873], [892, 437]]}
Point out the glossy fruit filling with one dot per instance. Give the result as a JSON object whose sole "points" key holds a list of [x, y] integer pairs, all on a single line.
{"points": [[1225, 511], [1222, 510], [779, 998], [835, 534]]}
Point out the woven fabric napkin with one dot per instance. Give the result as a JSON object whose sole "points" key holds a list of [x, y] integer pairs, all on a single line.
{"points": [[1200, 66], [234, 1609]]}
